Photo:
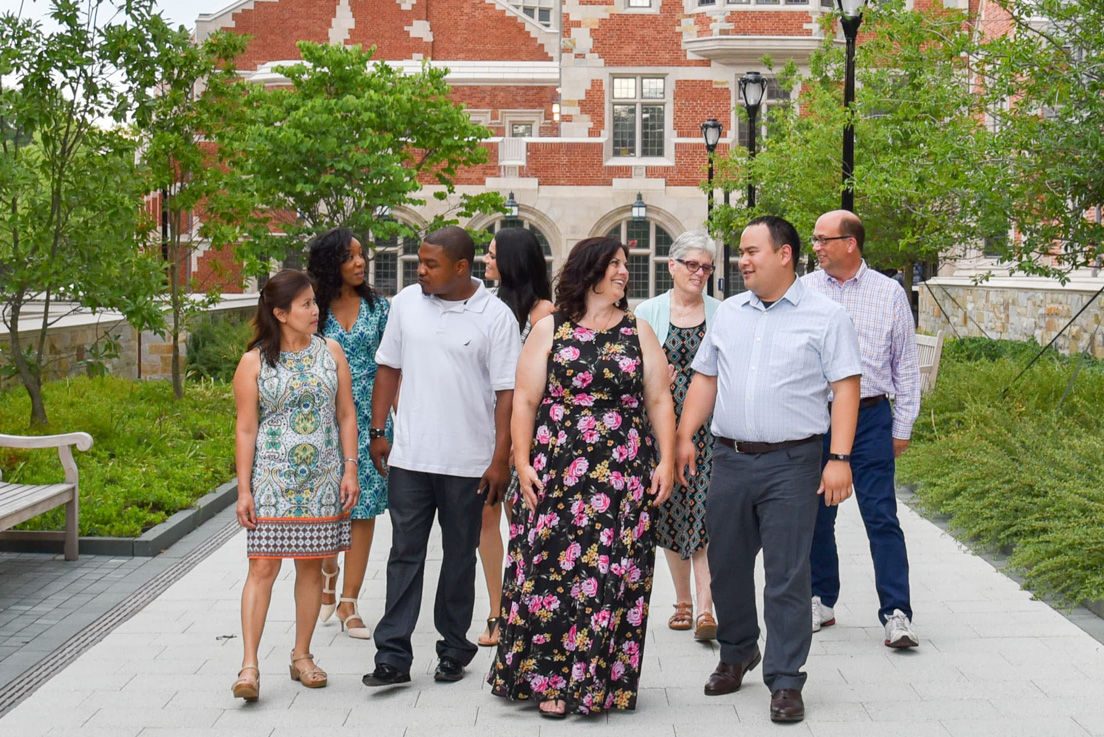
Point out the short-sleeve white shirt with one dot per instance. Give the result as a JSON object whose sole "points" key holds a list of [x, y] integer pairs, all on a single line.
{"points": [[453, 356]]}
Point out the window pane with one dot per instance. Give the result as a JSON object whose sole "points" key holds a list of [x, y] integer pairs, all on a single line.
{"points": [[541, 239], [638, 235], [640, 3], [615, 233], [663, 242], [510, 223], [797, 2], [663, 280], [545, 16], [651, 130], [624, 88], [639, 281], [651, 88], [387, 273], [624, 130], [410, 246], [409, 272], [521, 130], [479, 271]]}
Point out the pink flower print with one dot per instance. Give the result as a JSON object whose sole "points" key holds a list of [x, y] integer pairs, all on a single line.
{"points": [[634, 661], [561, 436], [590, 586], [509, 658], [539, 639], [568, 353], [620, 454], [627, 365], [557, 682], [635, 617], [587, 423], [634, 443], [591, 436], [535, 604], [569, 643], [583, 335], [632, 573], [600, 620], [539, 684], [578, 670], [612, 419], [551, 603], [578, 510], [617, 480], [582, 380], [626, 331], [570, 556], [575, 471], [583, 400], [632, 646], [617, 671], [600, 502], [556, 391], [556, 412], [628, 400], [544, 435], [539, 462], [603, 563], [606, 536], [609, 700]]}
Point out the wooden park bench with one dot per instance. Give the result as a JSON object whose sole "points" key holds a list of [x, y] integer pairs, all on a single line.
{"points": [[21, 502], [930, 349]]}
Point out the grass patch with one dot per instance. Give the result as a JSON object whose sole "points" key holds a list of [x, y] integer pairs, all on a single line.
{"points": [[1019, 473], [151, 457]]}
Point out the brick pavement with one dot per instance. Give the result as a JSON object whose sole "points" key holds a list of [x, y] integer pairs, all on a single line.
{"points": [[991, 662]]}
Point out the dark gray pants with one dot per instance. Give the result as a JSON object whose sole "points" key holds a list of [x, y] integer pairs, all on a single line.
{"points": [[764, 502], [413, 498]]}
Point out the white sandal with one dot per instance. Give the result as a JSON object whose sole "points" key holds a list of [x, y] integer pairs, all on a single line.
{"points": [[357, 633], [328, 610]]}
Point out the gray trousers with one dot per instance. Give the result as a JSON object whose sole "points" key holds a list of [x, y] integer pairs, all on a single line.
{"points": [[413, 499], [764, 502]]}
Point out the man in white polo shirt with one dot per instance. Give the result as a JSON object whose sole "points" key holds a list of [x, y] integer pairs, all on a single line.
{"points": [[456, 348]]}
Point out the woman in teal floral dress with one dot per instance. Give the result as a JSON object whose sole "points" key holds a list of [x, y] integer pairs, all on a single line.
{"points": [[354, 315], [591, 405]]}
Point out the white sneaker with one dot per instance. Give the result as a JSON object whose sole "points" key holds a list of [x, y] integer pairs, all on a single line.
{"points": [[823, 616], [898, 631]]}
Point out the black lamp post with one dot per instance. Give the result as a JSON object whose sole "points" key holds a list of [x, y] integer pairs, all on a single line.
{"points": [[639, 209], [512, 208], [850, 19], [711, 132], [753, 87]]}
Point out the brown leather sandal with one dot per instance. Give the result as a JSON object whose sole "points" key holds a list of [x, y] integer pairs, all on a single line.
{"points": [[312, 676], [706, 627], [246, 687], [683, 618]]}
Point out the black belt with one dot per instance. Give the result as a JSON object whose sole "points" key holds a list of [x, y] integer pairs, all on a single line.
{"points": [[757, 448], [867, 402]]}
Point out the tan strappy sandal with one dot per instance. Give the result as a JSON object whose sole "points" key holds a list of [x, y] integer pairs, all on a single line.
{"points": [[314, 677], [683, 618], [247, 688]]}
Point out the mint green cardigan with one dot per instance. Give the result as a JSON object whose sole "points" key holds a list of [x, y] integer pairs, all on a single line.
{"points": [[657, 313]]}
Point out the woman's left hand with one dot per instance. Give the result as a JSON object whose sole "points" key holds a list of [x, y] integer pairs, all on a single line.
{"points": [[350, 488], [663, 481]]}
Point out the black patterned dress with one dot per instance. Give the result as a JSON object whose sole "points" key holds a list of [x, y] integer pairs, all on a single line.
{"points": [[579, 569], [680, 525]]}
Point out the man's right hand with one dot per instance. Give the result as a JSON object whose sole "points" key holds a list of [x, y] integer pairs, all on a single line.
{"points": [[379, 450], [685, 456]]}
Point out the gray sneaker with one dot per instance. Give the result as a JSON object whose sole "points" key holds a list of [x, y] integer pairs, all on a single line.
{"points": [[898, 631], [823, 616]]}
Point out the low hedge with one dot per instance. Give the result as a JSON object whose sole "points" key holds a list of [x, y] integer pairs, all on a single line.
{"points": [[151, 456], [1020, 473]]}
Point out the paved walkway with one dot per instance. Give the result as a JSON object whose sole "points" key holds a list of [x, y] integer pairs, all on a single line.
{"points": [[991, 662]]}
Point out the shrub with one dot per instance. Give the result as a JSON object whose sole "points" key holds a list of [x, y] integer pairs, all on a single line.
{"points": [[216, 343], [1018, 472], [151, 457]]}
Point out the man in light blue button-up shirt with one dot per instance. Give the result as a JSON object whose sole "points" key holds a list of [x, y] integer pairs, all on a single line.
{"points": [[765, 369]]}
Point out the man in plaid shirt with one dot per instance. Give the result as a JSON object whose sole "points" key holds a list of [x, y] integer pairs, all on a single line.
{"points": [[882, 316]]}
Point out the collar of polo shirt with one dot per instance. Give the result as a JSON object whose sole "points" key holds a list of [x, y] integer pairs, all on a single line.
{"points": [[477, 302]]}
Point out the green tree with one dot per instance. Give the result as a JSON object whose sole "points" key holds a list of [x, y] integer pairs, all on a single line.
{"points": [[71, 225], [917, 139], [344, 142]]}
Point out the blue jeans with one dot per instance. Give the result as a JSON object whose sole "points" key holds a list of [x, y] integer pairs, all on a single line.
{"points": [[872, 467]]}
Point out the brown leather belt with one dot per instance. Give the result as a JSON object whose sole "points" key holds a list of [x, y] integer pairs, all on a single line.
{"points": [[757, 448], [866, 402]]}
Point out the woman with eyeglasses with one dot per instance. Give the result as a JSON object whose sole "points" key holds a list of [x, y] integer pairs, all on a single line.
{"points": [[679, 318]]}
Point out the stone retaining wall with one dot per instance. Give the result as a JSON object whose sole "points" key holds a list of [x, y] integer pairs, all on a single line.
{"points": [[1015, 309]]}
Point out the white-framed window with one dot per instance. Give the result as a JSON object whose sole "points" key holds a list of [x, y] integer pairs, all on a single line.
{"points": [[639, 106], [479, 269], [521, 124], [542, 11], [394, 265], [638, 3], [775, 102], [649, 248]]}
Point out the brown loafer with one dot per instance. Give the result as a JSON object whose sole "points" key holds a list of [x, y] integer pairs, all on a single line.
{"points": [[706, 628], [787, 706], [728, 676]]}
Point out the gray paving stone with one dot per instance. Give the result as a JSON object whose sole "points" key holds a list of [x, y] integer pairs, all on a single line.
{"points": [[1014, 728]]}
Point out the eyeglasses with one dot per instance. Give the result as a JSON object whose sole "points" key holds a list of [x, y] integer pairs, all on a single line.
{"points": [[819, 240], [694, 266]]}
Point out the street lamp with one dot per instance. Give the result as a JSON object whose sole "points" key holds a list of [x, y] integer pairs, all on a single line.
{"points": [[753, 87], [639, 209], [850, 19], [512, 208], [711, 132]]}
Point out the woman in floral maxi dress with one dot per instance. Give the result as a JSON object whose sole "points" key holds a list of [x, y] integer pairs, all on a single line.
{"points": [[579, 569]]}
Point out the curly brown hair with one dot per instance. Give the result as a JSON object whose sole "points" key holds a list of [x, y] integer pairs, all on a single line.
{"points": [[586, 266]]}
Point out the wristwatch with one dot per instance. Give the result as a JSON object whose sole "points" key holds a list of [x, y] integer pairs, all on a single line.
{"points": [[375, 433], [846, 458]]}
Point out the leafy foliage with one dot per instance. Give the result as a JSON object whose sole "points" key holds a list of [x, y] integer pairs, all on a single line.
{"points": [[216, 345], [152, 456]]}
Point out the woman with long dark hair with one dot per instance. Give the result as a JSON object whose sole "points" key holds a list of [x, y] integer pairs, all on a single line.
{"points": [[515, 259], [591, 410], [295, 451], [354, 315]]}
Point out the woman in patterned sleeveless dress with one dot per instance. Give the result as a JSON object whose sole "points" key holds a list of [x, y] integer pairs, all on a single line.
{"points": [[353, 314], [591, 405], [515, 259], [295, 451], [680, 318]]}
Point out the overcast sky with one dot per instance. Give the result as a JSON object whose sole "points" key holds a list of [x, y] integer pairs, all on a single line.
{"points": [[179, 12]]}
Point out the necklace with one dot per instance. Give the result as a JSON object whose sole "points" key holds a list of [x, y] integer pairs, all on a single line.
{"points": [[609, 320]]}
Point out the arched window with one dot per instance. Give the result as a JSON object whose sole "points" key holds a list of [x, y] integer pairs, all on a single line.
{"points": [[649, 246], [479, 269]]}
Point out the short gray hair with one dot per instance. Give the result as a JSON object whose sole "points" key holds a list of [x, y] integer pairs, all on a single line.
{"points": [[693, 240]]}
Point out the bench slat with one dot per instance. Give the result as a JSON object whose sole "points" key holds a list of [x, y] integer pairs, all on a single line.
{"points": [[18, 494], [31, 502]]}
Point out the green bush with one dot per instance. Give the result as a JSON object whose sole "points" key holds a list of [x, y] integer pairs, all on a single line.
{"points": [[1018, 472], [151, 456], [216, 343]]}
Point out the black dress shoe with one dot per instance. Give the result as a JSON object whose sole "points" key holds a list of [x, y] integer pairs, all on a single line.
{"points": [[385, 675], [448, 670], [728, 676], [787, 705]]}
